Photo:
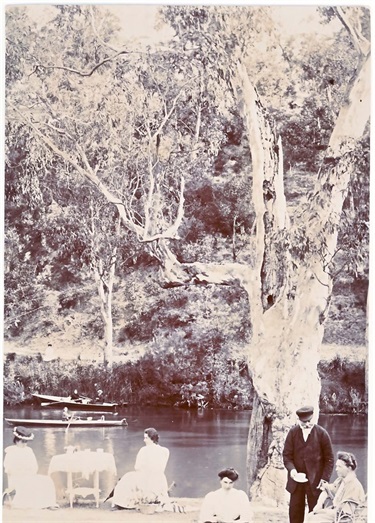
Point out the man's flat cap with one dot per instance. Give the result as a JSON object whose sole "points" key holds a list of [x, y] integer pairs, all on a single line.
{"points": [[305, 413]]}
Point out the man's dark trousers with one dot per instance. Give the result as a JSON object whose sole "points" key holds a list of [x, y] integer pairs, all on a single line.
{"points": [[297, 502]]}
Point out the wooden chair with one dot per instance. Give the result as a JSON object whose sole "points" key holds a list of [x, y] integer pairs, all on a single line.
{"points": [[8, 493], [7, 496], [351, 511]]}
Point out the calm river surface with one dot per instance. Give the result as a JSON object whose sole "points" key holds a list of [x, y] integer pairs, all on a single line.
{"points": [[201, 443]]}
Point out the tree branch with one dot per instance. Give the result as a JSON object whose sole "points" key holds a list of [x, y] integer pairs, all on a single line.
{"points": [[167, 116], [350, 17], [172, 231], [91, 11], [86, 173], [82, 73]]}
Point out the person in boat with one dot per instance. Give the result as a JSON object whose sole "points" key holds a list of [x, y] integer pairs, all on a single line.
{"points": [[31, 490], [76, 396], [99, 394], [147, 483], [66, 415], [339, 500], [227, 503]]}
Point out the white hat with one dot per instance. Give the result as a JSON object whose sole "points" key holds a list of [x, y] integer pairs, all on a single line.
{"points": [[23, 434]]}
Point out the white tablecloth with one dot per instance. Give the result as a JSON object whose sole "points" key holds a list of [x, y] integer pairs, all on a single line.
{"points": [[84, 461]]}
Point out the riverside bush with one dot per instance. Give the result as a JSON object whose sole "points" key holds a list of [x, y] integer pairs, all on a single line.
{"points": [[157, 380], [148, 381], [343, 386]]}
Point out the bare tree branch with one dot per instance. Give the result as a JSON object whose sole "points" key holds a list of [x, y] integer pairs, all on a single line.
{"points": [[93, 25], [172, 231], [83, 73], [169, 113], [86, 173]]}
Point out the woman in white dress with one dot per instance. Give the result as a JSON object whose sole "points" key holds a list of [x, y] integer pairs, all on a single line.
{"points": [[32, 490], [147, 483], [226, 504]]}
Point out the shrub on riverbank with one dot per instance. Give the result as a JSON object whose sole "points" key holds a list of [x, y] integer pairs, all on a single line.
{"points": [[343, 386], [159, 381], [149, 381]]}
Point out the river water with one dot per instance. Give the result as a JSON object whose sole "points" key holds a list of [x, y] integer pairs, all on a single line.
{"points": [[201, 443]]}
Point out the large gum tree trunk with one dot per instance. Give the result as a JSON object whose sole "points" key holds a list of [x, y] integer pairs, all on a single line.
{"points": [[289, 285], [290, 297]]}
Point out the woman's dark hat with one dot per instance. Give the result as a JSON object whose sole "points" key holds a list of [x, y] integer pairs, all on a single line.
{"points": [[305, 413], [23, 434]]}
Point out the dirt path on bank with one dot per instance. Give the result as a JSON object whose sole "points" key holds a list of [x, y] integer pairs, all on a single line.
{"points": [[67, 351]]}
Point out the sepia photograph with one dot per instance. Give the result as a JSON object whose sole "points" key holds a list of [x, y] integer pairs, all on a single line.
{"points": [[186, 259]]}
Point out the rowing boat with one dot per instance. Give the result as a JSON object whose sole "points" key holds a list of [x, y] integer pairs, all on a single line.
{"points": [[66, 401], [73, 422]]}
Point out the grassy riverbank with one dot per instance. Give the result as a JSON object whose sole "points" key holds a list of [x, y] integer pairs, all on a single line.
{"points": [[87, 514], [104, 514]]}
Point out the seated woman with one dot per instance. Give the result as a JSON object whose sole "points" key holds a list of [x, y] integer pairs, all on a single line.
{"points": [[147, 483], [32, 490], [226, 504], [343, 495]]}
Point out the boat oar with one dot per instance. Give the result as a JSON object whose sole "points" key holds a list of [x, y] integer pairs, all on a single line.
{"points": [[74, 402], [68, 425], [69, 422], [48, 404]]}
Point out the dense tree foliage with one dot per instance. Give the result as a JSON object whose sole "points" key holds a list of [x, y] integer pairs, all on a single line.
{"points": [[217, 219]]}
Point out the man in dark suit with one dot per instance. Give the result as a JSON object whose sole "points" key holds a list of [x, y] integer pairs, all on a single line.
{"points": [[307, 450]]}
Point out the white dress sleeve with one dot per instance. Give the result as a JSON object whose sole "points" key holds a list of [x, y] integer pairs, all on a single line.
{"points": [[244, 507], [208, 508], [218, 506]]}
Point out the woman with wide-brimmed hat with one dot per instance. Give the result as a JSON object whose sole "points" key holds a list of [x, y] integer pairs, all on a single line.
{"points": [[32, 490]]}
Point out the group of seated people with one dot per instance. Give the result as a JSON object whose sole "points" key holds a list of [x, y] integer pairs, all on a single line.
{"points": [[148, 482], [79, 398]]}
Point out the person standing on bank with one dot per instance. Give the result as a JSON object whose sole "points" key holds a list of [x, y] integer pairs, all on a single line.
{"points": [[308, 458]]}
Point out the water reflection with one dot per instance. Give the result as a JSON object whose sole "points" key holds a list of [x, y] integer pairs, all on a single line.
{"points": [[50, 443], [201, 443]]}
